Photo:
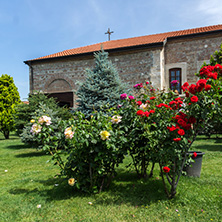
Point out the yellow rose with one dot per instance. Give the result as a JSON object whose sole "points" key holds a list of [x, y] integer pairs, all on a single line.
{"points": [[32, 120], [104, 135], [71, 181]]}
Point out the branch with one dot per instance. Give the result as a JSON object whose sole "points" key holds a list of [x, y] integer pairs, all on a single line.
{"points": [[164, 184]]}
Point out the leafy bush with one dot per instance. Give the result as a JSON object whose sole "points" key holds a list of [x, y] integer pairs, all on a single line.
{"points": [[27, 136], [25, 112], [214, 124], [154, 127], [94, 148], [168, 125]]}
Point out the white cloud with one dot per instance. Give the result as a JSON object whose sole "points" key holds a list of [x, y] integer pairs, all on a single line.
{"points": [[210, 11]]}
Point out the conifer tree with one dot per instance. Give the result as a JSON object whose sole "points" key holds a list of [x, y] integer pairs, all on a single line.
{"points": [[102, 86], [9, 97]]}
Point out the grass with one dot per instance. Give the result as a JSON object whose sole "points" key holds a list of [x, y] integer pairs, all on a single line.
{"points": [[27, 180]]}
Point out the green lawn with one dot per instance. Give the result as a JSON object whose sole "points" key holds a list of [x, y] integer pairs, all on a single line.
{"points": [[27, 180]]}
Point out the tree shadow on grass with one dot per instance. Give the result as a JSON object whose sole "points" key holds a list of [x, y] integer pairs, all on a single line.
{"points": [[216, 140], [14, 138], [211, 144], [55, 189], [19, 146], [208, 147], [31, 154], [126, 188]]}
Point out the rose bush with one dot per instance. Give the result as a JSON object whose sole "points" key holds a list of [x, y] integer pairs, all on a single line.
{"points": [[161, 127], [93, 148], [153, 127]]}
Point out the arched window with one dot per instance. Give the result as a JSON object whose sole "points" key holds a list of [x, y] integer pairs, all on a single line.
{"points": [[175, 74]]}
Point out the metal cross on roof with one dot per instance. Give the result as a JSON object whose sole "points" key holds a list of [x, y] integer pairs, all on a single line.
{"points": [[109, 33]]}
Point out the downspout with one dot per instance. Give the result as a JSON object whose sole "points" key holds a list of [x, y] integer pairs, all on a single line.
{"points": [[31, 80], [162, 66]]}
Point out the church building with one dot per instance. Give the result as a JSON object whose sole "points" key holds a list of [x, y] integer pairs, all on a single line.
{"points": [[159, 58]]}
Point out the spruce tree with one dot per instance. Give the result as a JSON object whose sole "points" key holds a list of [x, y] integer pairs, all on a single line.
{"points": [[102, 86]]}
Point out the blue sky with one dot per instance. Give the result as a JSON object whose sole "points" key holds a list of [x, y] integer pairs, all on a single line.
{"points": [[33, 28]]}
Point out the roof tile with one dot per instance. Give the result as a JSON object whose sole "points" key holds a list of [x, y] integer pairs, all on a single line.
{"points": [[129, 42]]}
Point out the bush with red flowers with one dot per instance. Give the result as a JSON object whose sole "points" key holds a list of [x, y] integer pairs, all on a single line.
{"points": [[166, 169], [177, 123]]}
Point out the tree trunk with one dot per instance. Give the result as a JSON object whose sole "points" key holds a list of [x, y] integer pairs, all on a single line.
{"points": [[151, 171], [6, 134]]}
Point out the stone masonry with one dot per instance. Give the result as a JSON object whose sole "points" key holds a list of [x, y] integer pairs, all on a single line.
{"points": [[61, 75]]}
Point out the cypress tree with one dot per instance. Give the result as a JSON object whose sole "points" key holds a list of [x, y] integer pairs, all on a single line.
{"points": [[9, 97]]}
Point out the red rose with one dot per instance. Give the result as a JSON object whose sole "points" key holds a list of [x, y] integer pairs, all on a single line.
{"points": [[146, 113], [213, 75], [186, 84], [152, 111], [187, 94], [172, 128], [218, 68], [192, 89], [181, 132], [184, 87], [194, 99], [194, 155], [206, 70], [176, 139], [207, 87], [152, 98], [192, 119], [177, 117], [187, 126], [201, 83], [138, 103], [182, 122], [166, 169], [172, 103], [183, 115], [139, 113]]}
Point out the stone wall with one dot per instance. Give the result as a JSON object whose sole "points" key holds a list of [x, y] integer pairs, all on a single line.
{"points": [[62, 75], [134, 66], [192, 51]]}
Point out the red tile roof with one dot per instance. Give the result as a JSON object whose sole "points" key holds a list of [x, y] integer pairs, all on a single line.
{"points": [[129, 42]]}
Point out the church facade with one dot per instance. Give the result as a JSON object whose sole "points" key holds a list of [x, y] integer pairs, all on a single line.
{"points": [[159, 58]]}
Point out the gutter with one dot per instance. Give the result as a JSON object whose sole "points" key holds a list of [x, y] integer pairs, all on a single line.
{"points": [[121, 49]]}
